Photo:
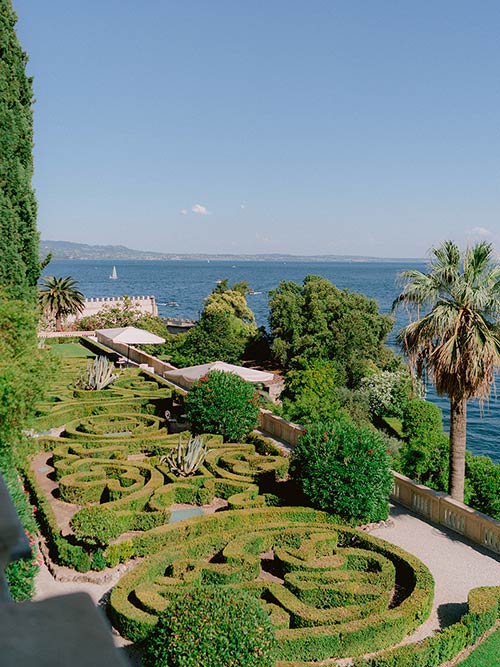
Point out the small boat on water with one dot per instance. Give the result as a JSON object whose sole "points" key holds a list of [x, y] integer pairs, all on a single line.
{"points": [[113, 275], [252, 291], [172, 304]]}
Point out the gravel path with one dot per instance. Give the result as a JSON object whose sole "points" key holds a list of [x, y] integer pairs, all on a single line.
{"points": [[457, 565]]}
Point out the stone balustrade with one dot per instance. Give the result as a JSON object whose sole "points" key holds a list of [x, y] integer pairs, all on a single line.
{"points": [[280, 428]]}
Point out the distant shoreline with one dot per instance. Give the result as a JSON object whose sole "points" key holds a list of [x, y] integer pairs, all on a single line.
{"points": [[80, 251]]}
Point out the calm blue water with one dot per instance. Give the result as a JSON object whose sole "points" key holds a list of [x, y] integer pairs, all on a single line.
{"points": [[188, 283]]}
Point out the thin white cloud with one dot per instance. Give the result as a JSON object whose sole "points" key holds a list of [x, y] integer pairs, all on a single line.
{"points": [[183, 211], [199, 209], [243, 205], [482, 232]]}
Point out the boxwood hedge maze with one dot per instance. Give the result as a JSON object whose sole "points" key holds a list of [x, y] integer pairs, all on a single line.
{"points": [[330, 590]]}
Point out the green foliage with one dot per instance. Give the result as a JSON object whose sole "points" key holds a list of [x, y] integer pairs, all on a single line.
{"points": [[389, 392], [185, 459], [224, 331], [216, 337], [334, 600], [24, 369], [98, 375], [485, 654], [455, 334], [123, 314], [213, 627], [19, 263], [421, 417], [444, 646], [424, 458], [424, 455], [319, 321], [311, 394], [482, 478], [20, 574], [344, 469], [59, 297], [223, 403]]}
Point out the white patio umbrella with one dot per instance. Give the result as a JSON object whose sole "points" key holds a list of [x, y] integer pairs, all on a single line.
{"points": [[128, 336], [187, 377]]}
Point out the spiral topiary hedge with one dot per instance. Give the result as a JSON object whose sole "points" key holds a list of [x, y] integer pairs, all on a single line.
{"points": [[328, 588]]}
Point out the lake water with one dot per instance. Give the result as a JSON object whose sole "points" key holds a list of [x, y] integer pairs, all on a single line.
{"points": [[187, 283]]}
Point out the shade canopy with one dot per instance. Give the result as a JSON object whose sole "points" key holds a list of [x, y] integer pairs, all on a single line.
{"points": [[130, 336], [187, 377]]}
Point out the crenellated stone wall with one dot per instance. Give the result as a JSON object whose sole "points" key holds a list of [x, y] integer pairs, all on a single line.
{"points": [[146, 304]]}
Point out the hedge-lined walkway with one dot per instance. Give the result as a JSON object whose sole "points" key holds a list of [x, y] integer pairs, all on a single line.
{"points": [[457, 565]]}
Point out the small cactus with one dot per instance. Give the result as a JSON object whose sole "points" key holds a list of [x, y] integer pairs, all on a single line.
{"points": [[99, 374], [185, 459]]}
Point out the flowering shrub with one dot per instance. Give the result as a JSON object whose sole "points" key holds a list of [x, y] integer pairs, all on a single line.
{"points": [[213, 627], [223, 403], [344, 469], [389, 392]]}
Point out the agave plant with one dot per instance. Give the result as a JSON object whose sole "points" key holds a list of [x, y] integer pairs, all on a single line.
{"points": [[185, 459], [99, 374]]}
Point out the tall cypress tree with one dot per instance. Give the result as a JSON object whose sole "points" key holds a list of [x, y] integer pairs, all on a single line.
{"points": [[19, 242]]}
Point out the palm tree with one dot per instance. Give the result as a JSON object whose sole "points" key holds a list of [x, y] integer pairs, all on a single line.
{"points": [[59, 297], [457, 342]]}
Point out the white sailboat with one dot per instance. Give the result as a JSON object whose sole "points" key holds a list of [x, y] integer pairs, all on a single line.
{"points": [[113, 275]]}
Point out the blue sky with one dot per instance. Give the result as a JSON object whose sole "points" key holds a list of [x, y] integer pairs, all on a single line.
{"points": [[344, 127]]}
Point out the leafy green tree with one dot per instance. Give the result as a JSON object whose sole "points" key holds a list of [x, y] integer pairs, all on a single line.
{"points": [[319, 321], [22, 368], [223, 403], [344, 469], [457, 341], [215, 337], [59, 297], [226, 328], [19, 242]]}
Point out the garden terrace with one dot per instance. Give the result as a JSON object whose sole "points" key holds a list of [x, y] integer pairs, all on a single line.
{"points": [[330, 590], [110, 466]]}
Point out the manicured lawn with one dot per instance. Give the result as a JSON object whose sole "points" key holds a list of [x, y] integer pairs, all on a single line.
{"points": [[71, 350], [486, 654]]}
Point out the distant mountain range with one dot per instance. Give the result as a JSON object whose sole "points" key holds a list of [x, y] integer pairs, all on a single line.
{"points": [[69, 250]]}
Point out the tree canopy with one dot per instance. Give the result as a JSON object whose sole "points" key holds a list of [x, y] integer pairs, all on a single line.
{"points": [[19, 242], [320, 321]]}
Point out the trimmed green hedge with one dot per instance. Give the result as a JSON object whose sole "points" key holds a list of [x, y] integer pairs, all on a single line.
{"points": [[484, 606], [337, 582]]}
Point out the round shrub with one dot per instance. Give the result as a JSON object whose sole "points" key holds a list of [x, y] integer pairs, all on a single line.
{"points": [[222, 403], [344, 469], [420, 418], [214, 627]]}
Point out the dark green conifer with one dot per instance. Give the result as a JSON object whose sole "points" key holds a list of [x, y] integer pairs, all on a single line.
{"points": [[19, 242]]}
